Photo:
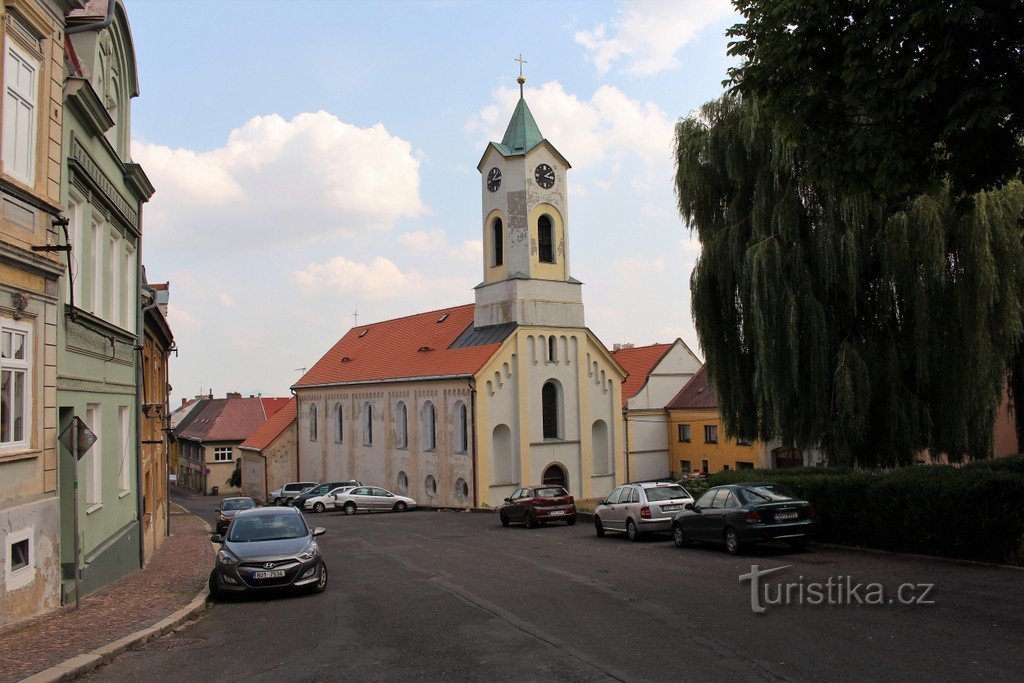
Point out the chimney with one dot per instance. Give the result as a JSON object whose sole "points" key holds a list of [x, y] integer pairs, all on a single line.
{"points": [[233, 394], [184, 401]]}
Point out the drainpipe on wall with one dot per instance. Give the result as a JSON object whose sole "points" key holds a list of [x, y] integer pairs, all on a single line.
{"points": [[625, 423], [140, 337], [472, 439], [95, 26], [298, 475]]}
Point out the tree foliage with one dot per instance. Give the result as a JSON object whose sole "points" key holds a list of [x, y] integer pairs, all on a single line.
{"points": [[839, 318], [894, 96]]}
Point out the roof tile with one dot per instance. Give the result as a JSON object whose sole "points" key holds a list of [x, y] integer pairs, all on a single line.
{"points": [[698, 393], [638, 362], [273, 427]]}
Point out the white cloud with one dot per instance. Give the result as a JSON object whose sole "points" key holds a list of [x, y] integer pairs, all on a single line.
{"points": [[608, 126], [379, 279], [646, 35], [179, 317], [433, 243], [633, 268], [280, 181], [226, 300]]}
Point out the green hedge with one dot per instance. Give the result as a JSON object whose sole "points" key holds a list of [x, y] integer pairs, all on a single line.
{"points": [[974, 512]]}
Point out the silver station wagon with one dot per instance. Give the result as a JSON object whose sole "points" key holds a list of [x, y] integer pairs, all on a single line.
{"points": [[636, 509]]}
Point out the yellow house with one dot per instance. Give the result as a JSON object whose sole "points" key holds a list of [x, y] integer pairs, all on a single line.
{"points": [[697, 440]]}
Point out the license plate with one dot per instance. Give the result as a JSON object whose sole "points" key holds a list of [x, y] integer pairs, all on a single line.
{"points": [[780, 516], [275, 574], [671, 508], [557, 512]]}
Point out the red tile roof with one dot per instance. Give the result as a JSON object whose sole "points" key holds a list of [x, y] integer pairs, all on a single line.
{"points": [[227, 419], [698, 393], [638, 362], [273, 427], [272, 405], [416, 346]]}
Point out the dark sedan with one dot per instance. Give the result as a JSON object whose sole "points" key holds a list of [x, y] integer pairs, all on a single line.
{"points": [[229, 507], [535, 505], [268, 548], [738, 515]]}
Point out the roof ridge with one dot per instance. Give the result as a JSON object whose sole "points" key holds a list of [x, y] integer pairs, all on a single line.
{"points": [[405, 317]]}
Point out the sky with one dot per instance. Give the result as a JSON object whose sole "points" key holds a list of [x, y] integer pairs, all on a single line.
{"points": [[314, 160]]}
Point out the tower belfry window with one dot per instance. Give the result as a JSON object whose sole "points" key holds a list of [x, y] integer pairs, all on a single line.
{"points": [[545, 241], [497, 243]]}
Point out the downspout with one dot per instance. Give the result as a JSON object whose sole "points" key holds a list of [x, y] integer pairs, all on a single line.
{"points": [[298, 476], [96, 25], [140, 397], [472, 440], [625, 423]]}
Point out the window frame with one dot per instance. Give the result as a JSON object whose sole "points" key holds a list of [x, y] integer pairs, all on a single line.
{"points": [[401, 426], [19, 366], [367, 420], [339, 423], [551, 412], [312, 423], [497, 242], [429, 415], [219, 451], [709, 435], [545, 239], [461, 427], [19, 52], [94, 458]]}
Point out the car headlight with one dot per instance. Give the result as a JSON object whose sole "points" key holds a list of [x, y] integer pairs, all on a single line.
{"points": [[226, 558], [309, 553]]}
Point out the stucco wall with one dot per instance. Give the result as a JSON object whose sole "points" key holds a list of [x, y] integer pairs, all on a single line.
{"points": [[36, 588], [273, 467]]}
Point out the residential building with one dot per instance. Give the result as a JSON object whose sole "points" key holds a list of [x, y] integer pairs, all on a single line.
{"points": [[269, 455], [656, 374], [178, 421], [210, 440], [31, 153], [462, 406], [99, 324], [157, 345]]}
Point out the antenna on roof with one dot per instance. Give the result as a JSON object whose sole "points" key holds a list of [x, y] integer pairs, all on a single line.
{"points": [[355, 316], [302, 370]]}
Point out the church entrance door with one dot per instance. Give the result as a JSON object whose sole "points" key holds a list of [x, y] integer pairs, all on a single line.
{"points": [[555, 475]]}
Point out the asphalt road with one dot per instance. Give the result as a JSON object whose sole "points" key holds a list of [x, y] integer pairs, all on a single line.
{"points": [[449, 596]]}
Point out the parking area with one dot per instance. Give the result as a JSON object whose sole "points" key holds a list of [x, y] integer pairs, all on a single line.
{"points": [[454, 596]]}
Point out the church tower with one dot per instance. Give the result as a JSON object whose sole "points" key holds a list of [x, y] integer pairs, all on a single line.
{"points": [[526, 231]]}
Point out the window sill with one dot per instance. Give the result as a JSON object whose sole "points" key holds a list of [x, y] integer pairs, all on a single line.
{"points": [[122, 493], [462, 452], [503, 484], [18, 453], [93, 508], [600, 475]]}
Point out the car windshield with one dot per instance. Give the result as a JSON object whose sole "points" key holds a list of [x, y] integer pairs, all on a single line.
{"points": [[550, 492], [657, 493], [277, 527], [238, 504], [767, 493]]}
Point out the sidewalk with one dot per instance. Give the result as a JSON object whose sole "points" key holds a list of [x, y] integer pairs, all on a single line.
{"points": [[173, 577]]}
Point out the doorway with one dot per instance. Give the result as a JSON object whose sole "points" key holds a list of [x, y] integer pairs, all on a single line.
{"points": [[555, 475]]}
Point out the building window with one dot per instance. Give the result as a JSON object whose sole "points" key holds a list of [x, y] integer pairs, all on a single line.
{"points": [[339, 423], [16, 373], [402, 482], [19, 570], [550, 408], [401, 426], [312, 422], [75, 274], [367, 424], [94, 457], [222, 454], [710, 433], [684, 466], [21, 95], [429, 427], [125, 467], [114, 293], [461, 428], [545, 240], [461, 489], [19, 555], [744, 465], [742, 442], [497, 243], [129, 291], [704, 466], [552, 351], [684, 433], [430, 485], [96, 296]]}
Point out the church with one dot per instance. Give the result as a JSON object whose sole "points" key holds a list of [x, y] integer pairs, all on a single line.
{"points": [[460, 407]]}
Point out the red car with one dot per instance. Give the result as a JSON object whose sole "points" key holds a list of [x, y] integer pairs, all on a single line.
{"points": [[535, 505]]}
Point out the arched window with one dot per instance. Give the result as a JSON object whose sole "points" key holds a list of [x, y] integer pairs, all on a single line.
{"points": [[401, 426], [545, 240], [552, 352], [339, 424], [497, 243], [461, 428], [367, 424], [600, 449], [549, 400], [312, 422], [429, 427]]}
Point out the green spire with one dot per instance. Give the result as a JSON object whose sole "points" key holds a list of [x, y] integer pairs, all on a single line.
{"points": [[522, 133]]}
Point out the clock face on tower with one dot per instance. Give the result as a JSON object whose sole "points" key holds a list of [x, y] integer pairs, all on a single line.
{"points": [[494, 179], [545, 176]]}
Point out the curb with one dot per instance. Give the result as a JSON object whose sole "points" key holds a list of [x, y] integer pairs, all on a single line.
{"points": [[78, 666]]}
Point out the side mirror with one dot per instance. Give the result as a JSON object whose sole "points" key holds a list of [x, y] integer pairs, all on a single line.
{"points": [[217, 538], [690, 506], [216, 511], [319, 531], [508, 500]]}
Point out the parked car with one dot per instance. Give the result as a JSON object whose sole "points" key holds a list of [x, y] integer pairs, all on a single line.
{"points": [[637, 509], [372, 499], [229, 507], [737, 515], [534, 505], [267, 548], [320, 503], [285, 494], [318, 490]]}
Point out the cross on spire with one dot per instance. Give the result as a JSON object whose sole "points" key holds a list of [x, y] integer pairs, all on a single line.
{"points": [[521, 79]]}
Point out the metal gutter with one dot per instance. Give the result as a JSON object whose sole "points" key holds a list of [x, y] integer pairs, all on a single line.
{"points": [[378, 381]]}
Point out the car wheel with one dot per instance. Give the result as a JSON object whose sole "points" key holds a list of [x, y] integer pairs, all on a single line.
{"points": [[531, 523], [798, 545], [678, 537], [401, 507], [214, 588], [350, 508], [570, 522], [732, 542], [321, 585], [318, 507], [503, 517], [288, 501], [598, 527], [632, 533], [277, 502]]}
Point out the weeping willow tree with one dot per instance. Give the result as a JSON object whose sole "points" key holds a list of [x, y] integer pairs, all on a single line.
{"points": [[869, 328]]}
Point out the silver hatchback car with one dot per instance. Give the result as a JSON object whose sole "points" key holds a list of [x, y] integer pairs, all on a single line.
{"points": [[636, 509]]}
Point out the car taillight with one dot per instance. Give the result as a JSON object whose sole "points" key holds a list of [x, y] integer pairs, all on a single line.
{"points": [[753, 516], [645, 512], [811, 512], [572, 501]]}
